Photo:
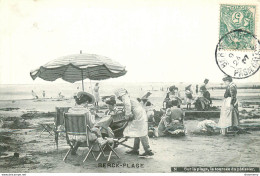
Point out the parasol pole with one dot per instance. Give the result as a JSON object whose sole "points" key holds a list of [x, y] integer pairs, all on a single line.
{"points": [[82, 74], [82, 80], [91, 87]]}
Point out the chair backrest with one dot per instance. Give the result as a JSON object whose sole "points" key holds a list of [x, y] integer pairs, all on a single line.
{"points": [[119, 116], [77, 124], [59, 118]]}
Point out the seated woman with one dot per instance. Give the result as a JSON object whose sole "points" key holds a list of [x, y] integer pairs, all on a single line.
{"points": [[172, 122], [83, 99], [173, 94], [111, 104], [104, 124], [202, 101]]}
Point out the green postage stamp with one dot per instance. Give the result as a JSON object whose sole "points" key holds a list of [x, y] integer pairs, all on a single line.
{"points": [[234, 17]]}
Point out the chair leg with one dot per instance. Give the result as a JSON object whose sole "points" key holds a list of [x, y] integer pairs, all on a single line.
{"points": [[42, 130], [126, 145], [67, 154], [93, 155], [99, 155], [113, 151], [49, 129], [101, 151], [90, 150], [57, 139], [109, 156]]}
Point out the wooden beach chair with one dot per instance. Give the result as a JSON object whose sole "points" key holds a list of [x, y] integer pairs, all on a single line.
{"points": [[59, 120], [78, 125]]}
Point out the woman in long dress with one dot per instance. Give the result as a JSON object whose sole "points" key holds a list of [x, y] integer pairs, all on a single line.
{"points": [[229, 110], [96, 94]]}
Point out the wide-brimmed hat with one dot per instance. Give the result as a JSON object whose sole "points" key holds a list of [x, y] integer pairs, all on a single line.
{"points": [[172, 88], [227, 78], [120, 92], [83, 97], [111, 101]]}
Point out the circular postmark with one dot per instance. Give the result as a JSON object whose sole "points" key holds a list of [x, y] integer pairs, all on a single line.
{"points": [[242, 61]]}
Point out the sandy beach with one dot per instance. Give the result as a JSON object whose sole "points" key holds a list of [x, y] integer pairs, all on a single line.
{"points": [[20, 134]]}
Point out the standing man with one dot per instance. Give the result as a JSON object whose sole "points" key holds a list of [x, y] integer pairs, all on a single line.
{"points": [[138, 123]]}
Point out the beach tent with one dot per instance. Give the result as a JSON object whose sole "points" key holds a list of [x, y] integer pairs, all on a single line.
{"points": [[78, 67]]}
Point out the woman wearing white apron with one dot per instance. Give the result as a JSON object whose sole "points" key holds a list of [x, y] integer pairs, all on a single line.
{"points": [[229, 110], [138, 123]]}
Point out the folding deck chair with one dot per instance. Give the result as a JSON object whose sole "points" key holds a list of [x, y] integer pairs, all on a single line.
{"points": [[118, 125], [59, 120], [46, 126], [78, 125]]}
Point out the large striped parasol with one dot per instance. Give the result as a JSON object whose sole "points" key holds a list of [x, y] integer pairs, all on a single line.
{"points": [[78, 67]]}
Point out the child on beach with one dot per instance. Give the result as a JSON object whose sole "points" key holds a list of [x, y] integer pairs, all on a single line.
{"points": [[188, 93]]}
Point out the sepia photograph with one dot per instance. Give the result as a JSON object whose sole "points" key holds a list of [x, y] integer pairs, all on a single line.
{"points": [[129, 86]]}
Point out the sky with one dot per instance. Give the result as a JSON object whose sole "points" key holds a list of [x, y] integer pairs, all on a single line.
{"points": [[157, 40]]}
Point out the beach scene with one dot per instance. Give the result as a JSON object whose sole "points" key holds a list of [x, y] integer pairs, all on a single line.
{"points": [[22, 114], [129, 86]]}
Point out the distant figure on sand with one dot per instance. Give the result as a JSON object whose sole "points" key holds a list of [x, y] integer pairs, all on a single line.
{"points": [[34, 95], [229, 111], [96, 94], [43, 94], [60, 96], [197, 89]]}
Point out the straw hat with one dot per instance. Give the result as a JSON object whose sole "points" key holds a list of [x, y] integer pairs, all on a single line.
{"points": [[120, 92]]}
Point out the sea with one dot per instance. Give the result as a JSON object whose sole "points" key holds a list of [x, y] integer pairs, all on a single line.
{"points": [[135, 89]]}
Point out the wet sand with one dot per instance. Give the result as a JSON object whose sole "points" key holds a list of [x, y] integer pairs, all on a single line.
{"points": [[39, 154]]}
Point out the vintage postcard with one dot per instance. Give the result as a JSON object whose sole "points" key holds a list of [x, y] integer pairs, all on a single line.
{"points": [[129, 86]]}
